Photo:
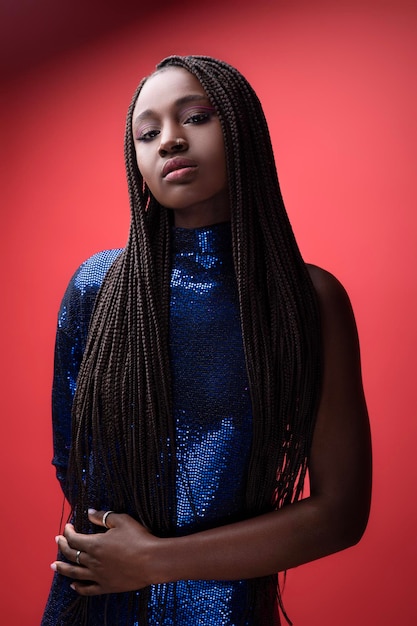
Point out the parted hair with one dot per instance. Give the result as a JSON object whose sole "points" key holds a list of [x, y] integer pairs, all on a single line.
{"points": [[123, 453]]}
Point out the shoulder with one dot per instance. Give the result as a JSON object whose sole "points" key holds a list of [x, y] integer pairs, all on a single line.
{"points": [[80, 294], [325, 283], [90, 274], [331, 294], [339, 332]]}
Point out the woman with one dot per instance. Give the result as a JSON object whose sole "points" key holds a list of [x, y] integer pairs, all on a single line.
{"points": [[217, 370]]}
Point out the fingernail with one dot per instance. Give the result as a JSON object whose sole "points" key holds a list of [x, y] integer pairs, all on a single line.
{"points": [[53, 566], [91, 511], [57, 539], [73, 587]]}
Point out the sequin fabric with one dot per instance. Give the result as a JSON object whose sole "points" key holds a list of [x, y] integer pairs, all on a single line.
{"points": [[212, 413]]}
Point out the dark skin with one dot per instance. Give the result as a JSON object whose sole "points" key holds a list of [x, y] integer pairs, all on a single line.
{"points": [[128, 557], [333, 517]]}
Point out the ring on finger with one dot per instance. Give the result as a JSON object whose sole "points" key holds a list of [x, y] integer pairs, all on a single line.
{"points": [[105, 516], [77, 557]]}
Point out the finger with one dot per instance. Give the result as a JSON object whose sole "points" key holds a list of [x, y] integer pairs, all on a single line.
{"points": [[77, 541], [75, 572], [102, 518], [72, 554], [73, 544], [72, 537], [62, 544], [87, 589]]}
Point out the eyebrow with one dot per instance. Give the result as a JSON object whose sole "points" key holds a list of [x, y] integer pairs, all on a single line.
{"points": [[184, 100]]}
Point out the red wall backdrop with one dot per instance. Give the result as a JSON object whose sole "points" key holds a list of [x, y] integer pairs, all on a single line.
{"points": [[338, 86]]}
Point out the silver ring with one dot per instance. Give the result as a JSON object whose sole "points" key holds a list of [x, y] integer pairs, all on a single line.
{"points": [[106, 514], [77, 557]]}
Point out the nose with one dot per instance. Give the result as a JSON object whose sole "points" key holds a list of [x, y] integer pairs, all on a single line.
{"points": [[172, 145]]}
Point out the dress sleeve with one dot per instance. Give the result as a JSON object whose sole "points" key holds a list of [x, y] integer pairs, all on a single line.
{"points": [[71, 336]]}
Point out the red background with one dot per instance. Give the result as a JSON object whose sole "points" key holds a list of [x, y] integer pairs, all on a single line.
{"points": [[337, 80]]}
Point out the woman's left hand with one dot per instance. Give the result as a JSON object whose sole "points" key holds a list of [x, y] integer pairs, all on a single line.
{"points": [[115, 561]]}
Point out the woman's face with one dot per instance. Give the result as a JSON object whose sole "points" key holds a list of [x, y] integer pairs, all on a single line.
{"points": [[180, 149]]}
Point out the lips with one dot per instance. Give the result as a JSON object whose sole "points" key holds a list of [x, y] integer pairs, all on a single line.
{"points": [[177, 163]]}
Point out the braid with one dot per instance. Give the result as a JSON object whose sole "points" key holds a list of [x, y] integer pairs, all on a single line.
{"points": [[123, 455], [279, 310]]}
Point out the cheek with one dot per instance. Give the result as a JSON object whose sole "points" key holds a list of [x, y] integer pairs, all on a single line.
{"points": [[139, 163], [141, 159], [150, 182], [221, 168], [147, 181]]}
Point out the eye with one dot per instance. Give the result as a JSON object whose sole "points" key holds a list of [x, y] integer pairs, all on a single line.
{"points": [[199, 116], [147, 134]]}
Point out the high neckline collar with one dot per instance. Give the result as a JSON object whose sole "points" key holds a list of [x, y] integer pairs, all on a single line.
{"points": [[213, 239]]}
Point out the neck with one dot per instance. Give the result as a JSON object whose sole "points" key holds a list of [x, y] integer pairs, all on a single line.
{"points": [[204, 214]]}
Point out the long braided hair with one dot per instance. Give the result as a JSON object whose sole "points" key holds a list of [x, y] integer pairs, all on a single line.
{"points": [[123, 453]]}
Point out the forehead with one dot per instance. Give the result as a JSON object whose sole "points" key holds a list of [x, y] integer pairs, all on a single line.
{"points": [[166, 87]]}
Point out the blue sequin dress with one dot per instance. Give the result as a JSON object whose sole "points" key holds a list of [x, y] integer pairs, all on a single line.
{"points": [[212, 412]]}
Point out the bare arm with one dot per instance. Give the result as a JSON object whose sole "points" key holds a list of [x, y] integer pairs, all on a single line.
{"points": [[332, 518]]}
